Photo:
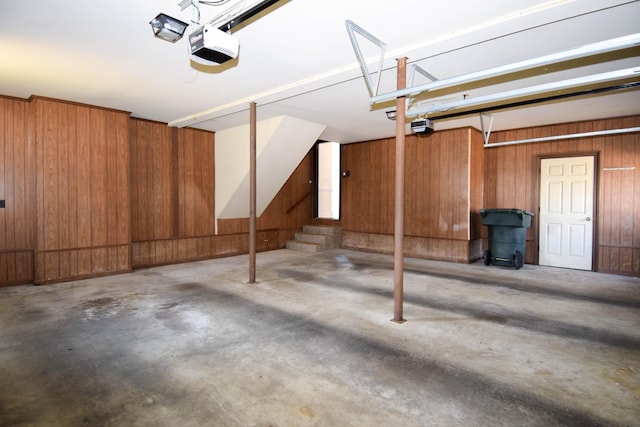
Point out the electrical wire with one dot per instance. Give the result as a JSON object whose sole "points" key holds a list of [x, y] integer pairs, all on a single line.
{"points": [[195, 17], [228, 14], [214, 2]]}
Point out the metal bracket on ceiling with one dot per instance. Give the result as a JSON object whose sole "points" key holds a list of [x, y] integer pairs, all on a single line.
{"points": [[195, 14], [353, 28], [418, 69], [185, 4], [486, 134]]}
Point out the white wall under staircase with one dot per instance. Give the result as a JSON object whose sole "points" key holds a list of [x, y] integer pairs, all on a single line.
{"points": [[281, 144]]}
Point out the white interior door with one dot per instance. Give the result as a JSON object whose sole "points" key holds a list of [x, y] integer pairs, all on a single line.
{"points": [[566, 212], [329, 180]]}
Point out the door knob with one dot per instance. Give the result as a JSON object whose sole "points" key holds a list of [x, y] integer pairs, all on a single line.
{"points": [[588, 218]]}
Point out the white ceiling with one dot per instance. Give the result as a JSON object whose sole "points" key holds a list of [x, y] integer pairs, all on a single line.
{"points": [[297, 59]]}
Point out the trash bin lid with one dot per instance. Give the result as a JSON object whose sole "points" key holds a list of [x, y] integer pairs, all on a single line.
{"points": [[505, 211]]}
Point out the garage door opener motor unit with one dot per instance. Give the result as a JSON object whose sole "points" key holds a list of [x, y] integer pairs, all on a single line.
{"points": [[210, 45]]}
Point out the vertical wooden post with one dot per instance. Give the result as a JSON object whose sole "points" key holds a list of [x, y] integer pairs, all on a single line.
{"points": [[252, 193], [398, 251]]}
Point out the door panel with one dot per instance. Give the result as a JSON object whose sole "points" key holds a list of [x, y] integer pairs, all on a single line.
{"points": [[566, 212]]}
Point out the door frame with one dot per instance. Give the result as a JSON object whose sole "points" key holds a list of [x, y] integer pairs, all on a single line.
{"points": [[596, 179]]}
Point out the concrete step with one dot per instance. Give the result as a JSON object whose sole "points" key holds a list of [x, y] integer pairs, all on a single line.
{"points": [[322, 229], [316, 238], [320, 239], [304, 246]]}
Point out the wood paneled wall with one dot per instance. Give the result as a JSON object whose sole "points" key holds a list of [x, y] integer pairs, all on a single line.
{"points": [[442, 196], [511, 180], [368, 193], [17, 189], [82, 190], [196, 186], [90, 191], [172, 200], [153, 207], [172, 193]]}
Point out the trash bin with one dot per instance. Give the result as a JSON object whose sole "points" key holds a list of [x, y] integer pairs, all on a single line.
{"points": [[507, 236]]}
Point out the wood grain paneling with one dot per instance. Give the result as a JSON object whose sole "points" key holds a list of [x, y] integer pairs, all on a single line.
{"points": [[172, 199], [476, 187], [196, 181], [172, 203], [368, 192], [414, 246], [617, 202], [82, 191], [17, 189], [66, 171], [443, 176], [152, 188]]}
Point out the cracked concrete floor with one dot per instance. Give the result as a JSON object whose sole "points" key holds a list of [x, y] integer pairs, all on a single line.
{"points": [[312, 344]]}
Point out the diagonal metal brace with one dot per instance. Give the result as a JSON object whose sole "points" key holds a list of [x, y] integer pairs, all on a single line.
{"points": [[353, 28], [486, 134], [416, 68]]}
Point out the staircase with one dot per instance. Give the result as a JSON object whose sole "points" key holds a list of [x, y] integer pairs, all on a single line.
{"points": [[316, 238]]}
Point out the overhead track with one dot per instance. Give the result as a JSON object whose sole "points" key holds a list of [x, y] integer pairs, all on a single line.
{"points": [[533, 90], [516, 104], [569, 136], [247, 14], [580, 52]]}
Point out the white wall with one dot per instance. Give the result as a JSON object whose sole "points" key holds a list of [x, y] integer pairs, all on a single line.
{"points": [[281, 144]]}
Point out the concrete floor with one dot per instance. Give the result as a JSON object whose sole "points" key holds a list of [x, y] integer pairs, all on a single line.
{"points": [[312, 344]]}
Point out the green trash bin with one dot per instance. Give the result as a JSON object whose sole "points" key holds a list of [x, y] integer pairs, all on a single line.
{"points": [[507, 236]]}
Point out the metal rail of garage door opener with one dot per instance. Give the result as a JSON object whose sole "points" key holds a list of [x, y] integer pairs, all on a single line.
{"points": [[592, 49]]}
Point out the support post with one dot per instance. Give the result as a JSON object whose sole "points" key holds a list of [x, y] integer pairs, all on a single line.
{"points": [[252, 192], [398, 251]]}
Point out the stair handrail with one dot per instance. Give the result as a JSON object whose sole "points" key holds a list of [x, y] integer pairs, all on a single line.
{"points": [[296, 204]]}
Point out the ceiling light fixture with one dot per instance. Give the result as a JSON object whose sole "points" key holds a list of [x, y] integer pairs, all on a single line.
{"points": [[168, 28]]}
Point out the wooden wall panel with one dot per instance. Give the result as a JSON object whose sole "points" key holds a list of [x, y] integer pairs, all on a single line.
{"points": [[617, 234], [172, 199], [441, 203], [81, 173], [476, 186], [196, 183], [17, 219], [82, 191], [122, 229], [368, 193], [98, 181], [443, 177], [152, 192], [415, 246], [64, 172]]}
